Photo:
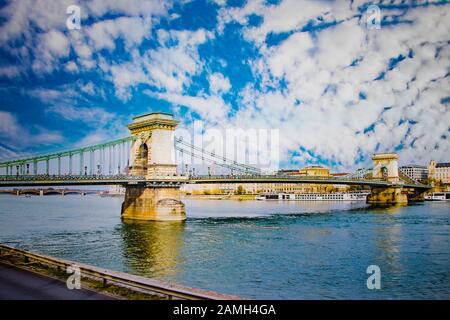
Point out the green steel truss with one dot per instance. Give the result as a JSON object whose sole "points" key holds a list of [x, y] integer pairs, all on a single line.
{"points": [[67, 153]]}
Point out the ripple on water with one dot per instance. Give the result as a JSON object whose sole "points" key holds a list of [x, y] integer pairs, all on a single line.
{"points": [[264, 250]]}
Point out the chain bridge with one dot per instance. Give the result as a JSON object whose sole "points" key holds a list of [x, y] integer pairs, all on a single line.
{"points": [[145, 164]]}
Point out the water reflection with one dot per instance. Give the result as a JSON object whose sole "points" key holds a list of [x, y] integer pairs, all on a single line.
{"points": [[152, 248], [384, 209], [388, 235], [254, 249]]}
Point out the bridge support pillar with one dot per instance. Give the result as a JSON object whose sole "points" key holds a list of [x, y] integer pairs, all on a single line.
{"points": [[41, 193], [415, 195], [390, 195], [153, 203], [153, 158]]}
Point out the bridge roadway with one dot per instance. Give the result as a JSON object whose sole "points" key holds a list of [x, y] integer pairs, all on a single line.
{"points": [[34, 181]]}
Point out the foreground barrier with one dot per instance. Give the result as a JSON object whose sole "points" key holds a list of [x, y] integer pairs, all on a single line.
{"points": [[142, 284]]}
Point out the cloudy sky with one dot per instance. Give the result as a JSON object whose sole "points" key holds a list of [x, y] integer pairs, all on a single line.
{"points": [[337, 90]]}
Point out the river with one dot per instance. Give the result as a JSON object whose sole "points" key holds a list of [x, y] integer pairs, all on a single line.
{"points": [[255, 249]]}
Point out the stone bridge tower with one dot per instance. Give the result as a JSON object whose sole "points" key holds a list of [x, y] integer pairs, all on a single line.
{"points": [[152, 153], [153, 157], [385, 167]]}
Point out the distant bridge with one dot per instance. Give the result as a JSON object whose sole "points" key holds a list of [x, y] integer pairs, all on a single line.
{"points": [[49, 191]]}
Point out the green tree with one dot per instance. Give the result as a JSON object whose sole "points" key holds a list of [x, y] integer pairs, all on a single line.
{"points": [[240, 190]]}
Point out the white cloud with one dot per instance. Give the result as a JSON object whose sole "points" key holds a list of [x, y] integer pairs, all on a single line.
{"points": [[92, 116], [321, 100], [56, 42], [143, 8], [88, 88], [132, 30], [50, 47], [71, 67], [95, 137], [317, 87], [210, 108], [218, 83], [281, 18], [51, 95], [21, 137], [220, 2], [46, 40], [10, 71], [168, 68]]}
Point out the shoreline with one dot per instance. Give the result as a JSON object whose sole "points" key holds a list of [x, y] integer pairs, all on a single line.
{"points": [[243, 197]]}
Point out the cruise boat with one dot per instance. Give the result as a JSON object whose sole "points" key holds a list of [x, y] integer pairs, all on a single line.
{"points": [[438, 196], [344, 196]]}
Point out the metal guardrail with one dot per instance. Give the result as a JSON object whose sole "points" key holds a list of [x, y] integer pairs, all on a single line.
{"points": [[281, 177], [120, 278], [28, 180], [285, 179], [44, 177], [297, 179]]}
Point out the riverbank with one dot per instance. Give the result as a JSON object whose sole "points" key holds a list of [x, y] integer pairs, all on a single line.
{"points": [[240, 197]]}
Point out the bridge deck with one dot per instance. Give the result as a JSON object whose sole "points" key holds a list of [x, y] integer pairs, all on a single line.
{"points": [[32, 181]]}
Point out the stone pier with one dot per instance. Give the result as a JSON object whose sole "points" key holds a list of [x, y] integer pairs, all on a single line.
{"points": [[153, 203], [153, 156], [391, 195]]}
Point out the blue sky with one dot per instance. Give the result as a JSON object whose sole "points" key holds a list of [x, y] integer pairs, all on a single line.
{"points": [[337, 90]]}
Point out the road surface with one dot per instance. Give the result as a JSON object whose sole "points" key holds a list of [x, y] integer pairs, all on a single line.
{"points": [[18, 284]]}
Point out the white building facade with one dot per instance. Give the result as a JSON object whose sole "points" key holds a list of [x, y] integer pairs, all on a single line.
{"points": [[415, 172]]}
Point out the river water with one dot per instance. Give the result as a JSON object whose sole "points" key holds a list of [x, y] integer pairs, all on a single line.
{"points": [[256, 249]]}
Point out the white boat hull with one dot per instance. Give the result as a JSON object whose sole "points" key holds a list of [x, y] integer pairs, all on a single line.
{"points": [[438, 196], [357, 196]]}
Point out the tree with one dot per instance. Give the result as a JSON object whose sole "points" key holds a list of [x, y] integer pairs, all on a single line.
{"points": [[240, 190]]}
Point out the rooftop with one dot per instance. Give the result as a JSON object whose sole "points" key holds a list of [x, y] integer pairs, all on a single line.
{"points": [[151, 120], [385, 155], [315, 166], [443, 165], [413, 166], [154, 115]]}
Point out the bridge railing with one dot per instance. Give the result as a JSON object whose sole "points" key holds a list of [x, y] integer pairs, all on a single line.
{"points": [[45, 177], [281, 177]]}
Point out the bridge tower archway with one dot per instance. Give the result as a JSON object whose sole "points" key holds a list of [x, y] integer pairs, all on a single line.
{"points": [[139, 164]]}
